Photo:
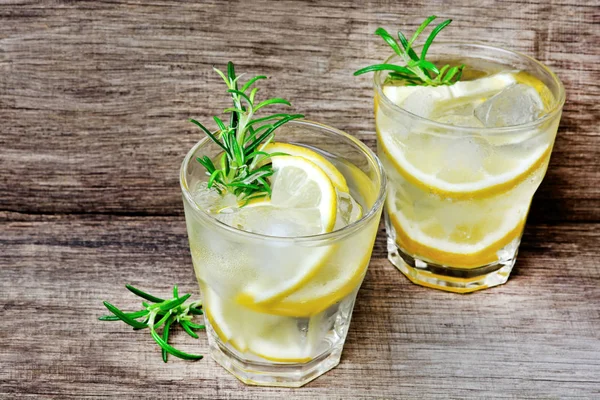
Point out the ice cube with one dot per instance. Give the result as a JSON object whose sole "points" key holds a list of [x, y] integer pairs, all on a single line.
{"points": [[421, 102], [517, 104], [213, 201], [463, 160], [460, 120], [204, 196], [458, 112], [348, 210]]}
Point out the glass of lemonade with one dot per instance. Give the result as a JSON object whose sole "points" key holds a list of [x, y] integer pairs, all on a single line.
{"points": [[277, 296], [463, 163]]}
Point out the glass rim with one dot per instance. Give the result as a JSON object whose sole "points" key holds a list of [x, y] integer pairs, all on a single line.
{"points": [[343, 232], [557, 108]]}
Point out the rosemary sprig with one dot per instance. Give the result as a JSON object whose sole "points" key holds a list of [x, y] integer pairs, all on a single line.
{"points": [[169, 312], [417, 71], [241, 169]]}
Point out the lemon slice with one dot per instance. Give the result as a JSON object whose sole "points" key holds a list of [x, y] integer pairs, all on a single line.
{"points": [[421, 100], [456, 167], [341, 270], [462, 168], [282, 340], [335, 275], [222, 318], [303, 202], [337, 280], [284, 351], [302, 266], [342, 274], [269, 337], [470, 237], [366, 189], [338, 180], [298, 183]]}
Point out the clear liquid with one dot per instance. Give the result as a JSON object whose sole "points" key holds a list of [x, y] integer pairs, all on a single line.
{"points": [[279, 301], [460, 198], [489, 95]]}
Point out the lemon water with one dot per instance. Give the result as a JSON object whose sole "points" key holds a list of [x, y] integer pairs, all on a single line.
{"points": [[458, 197], [280, 298]]}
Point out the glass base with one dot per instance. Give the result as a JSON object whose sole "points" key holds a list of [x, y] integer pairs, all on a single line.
{"points": [[317, 343], [273, 374], [457, 280]]}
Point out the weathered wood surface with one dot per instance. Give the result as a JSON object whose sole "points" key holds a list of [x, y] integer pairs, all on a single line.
{"points": [[535, 337], [94, 98]]}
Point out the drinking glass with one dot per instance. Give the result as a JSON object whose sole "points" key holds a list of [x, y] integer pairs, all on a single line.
{"points": [[460, 232], [298, 332]]}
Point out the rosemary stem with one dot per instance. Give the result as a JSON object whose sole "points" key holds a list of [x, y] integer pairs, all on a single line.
{"points": [[170, 311]]}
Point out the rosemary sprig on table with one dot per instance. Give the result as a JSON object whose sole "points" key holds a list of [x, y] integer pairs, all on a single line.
{"points": [[241, 169], [169, 312], [417, 71]]}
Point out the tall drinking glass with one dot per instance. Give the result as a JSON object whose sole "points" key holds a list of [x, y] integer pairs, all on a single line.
{"points": [[463, 163], [278, 308]]}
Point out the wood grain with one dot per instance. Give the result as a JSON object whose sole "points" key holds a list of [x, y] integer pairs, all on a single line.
{"points": [[95, 96], [535, 337], [94, 99]]}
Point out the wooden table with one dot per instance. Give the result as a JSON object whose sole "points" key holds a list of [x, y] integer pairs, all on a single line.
{"points": [[94, 102]]}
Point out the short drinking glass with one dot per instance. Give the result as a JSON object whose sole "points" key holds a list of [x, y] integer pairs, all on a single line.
{"points": [[463, 163], [277, 309]]}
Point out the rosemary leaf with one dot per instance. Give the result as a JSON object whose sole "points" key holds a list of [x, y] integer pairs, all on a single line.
{"points": [[417, 70], [187, 328], [144, 295], [166, 330], [133, 315], [239, 171], [171, 350], [167, 305], [169, 311], [123, 317]]}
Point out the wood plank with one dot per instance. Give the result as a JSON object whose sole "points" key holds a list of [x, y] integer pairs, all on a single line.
{"points": [[538, 336], [94, 96]]}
